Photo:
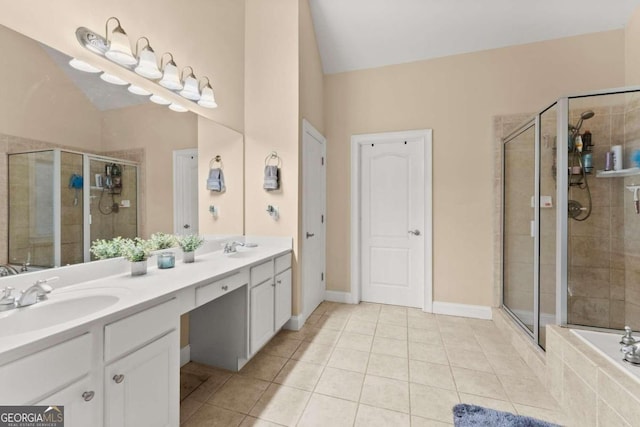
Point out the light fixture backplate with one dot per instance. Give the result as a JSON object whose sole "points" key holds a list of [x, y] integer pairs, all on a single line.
{"points": [[92, 41]]}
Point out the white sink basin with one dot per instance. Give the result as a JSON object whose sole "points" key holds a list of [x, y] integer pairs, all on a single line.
{"points": [[52, 312], [241, 254]]}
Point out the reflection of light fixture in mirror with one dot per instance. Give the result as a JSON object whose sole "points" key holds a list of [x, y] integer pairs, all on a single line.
{"points": [[110, 78], [147, 65], [177, 107], [207, 99], [83, 66], [119, 47], [170, 78], [191, 90], [159, 100], [138, 90]]}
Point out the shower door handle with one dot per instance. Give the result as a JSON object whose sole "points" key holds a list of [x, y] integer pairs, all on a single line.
{"points": [[415, 232]]}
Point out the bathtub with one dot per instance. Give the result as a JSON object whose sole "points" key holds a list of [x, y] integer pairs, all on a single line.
{"points": [[608, 345]]}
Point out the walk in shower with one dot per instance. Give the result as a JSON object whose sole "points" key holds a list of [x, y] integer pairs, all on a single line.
{"points": [[570, 225], [60, 201]]}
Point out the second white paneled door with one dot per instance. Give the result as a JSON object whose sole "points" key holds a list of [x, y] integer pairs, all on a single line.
{"points": [[392, 213]]}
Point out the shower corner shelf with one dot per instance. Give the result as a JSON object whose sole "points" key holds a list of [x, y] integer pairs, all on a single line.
{"points": [[618, 174]]}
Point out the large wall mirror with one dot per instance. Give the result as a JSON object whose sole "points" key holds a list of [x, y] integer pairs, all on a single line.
{"points": [[82, 159]]}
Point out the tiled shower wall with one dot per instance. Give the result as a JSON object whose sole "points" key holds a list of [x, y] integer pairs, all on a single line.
{"points": [[604, 250]]}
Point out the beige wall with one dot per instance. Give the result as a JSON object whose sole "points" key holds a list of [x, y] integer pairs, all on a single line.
{"points": [[158, 131], [457, 97], [214, 140], [311, 76], [206, 34], [271, 118], [632, 49]]}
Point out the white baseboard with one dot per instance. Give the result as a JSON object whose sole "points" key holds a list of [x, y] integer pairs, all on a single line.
{"points": [[185, 355], [337, 296], [462, 310], [295, 323]]}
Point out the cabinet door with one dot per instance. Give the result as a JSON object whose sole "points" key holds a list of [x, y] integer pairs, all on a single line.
{"points": [[142, 389], [81, 401], [262, 314], [283, 298]]}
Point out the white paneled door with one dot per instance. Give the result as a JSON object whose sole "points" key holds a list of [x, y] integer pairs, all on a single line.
{"points": [[185, 191], [314, 221], [392, 213]]}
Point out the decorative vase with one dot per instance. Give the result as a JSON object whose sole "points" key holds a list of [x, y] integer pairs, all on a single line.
{"points": [[188, 257], [138, 268], [166, 260]]}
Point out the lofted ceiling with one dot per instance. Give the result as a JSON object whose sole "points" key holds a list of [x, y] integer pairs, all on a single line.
{"points": [[360, 34]]}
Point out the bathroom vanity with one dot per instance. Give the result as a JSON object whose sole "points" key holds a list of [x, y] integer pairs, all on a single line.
{"points": [[116, 361]]}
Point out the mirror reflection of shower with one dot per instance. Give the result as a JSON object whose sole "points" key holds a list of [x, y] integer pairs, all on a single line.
{"points": [[580, 166]]}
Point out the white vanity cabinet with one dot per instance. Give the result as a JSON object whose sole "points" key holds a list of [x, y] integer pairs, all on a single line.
{"points": [[142, 381], [57, 376], [270, 299]]}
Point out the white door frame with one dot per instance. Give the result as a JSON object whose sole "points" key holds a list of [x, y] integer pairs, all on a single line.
{"points": [[356, 142], [308, 128], [176, 153]]}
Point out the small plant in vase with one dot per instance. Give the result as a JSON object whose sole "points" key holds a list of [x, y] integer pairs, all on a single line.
{"points": [[105, 249], [189, 243], [160, 242], [137, 251]]}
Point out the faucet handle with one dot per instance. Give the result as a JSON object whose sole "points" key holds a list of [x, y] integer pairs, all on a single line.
{"points": [[627, 338], [7, 297]]}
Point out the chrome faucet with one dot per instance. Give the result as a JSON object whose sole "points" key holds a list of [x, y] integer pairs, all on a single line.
{"points": [[231, 247], [7, 270], [36, 292], [7, 300], [628, 338]]}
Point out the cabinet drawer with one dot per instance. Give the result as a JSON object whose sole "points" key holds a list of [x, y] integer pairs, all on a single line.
{"points": [[261, 272], [211, 291], [138, 329], [283, 262], [39, 374]]}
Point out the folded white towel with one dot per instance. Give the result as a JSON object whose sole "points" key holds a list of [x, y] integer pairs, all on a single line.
{"points": [[271, 178], [215, 182]]}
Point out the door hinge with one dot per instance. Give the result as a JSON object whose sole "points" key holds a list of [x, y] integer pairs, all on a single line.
{"points": [[322, 161], [322, 277], [322, 219]]}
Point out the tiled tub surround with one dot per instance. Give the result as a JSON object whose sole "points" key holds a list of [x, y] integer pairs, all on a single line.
{"points": [[369, 365], [592, 388], [608, 345]]}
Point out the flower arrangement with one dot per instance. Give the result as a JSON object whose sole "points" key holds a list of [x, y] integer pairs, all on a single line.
{"points": [[190, 242], [136, 250], [159, 241], [105, 249]]}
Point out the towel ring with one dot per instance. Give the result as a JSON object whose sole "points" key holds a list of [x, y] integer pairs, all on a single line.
{"points": [[214, 160], [273, 156]]}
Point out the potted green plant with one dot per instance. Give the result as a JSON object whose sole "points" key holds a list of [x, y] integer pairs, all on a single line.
{"points": [[161, 241], [105, 249], [137, 251], [189, 243]]}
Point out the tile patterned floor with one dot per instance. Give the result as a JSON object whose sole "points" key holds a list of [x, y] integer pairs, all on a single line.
{"points": [[368, 365]]}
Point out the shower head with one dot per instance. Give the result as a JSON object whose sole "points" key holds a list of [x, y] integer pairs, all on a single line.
{"points": [[586, 115]]}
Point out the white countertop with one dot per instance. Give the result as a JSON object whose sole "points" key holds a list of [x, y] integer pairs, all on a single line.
{"points": [[134, 293]]}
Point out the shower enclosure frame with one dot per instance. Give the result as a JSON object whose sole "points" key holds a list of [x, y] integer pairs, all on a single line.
{"points": [[86, 195], [561, 205], [86, 187]]}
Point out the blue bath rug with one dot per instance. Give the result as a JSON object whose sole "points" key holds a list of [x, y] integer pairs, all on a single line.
{"points": [[465, 415]]}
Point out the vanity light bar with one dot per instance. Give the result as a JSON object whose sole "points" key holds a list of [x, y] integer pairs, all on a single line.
{"points": [[116, 47]]}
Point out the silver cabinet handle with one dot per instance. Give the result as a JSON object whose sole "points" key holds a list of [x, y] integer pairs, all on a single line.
{"points": [[118, 378], [88, 395], [415, 232], [273, 284], [225, 287], [279, 281], [186, 226], [310, 234]]}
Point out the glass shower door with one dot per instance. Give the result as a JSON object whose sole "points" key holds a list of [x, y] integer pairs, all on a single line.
{"points": [[519, 245]]}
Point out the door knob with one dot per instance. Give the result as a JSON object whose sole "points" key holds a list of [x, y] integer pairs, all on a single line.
{"points": [[118, 378], [186, 226], [310, 234], [415, 232]]}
